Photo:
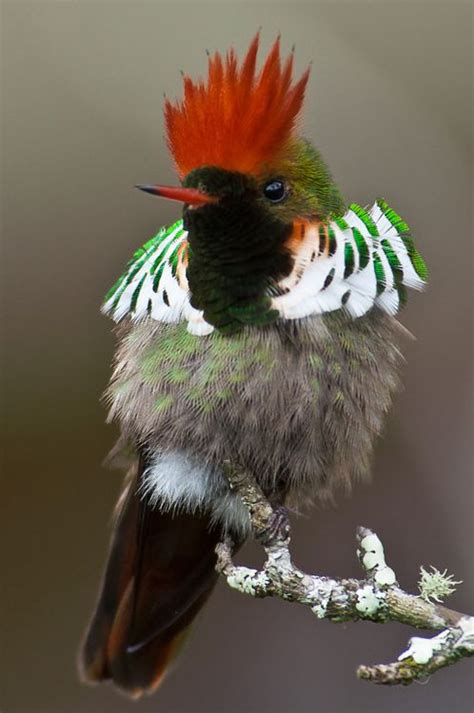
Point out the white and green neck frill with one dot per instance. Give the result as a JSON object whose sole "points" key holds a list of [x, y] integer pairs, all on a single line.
{"points": [[365, 259]]}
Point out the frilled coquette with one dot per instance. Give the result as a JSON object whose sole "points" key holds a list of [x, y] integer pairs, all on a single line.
{"points": [[258, 330]]}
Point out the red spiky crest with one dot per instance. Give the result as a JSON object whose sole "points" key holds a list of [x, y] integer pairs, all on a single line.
{"points": [[237, 120]]}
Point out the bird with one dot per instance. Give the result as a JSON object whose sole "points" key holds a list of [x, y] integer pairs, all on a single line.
{"points": [[258, 331]]}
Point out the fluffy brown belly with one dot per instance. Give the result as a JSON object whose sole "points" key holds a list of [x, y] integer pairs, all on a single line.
{"points": [[298, 403]]}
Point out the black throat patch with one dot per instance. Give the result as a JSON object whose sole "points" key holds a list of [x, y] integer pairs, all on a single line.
{"points": [[236, 251]]}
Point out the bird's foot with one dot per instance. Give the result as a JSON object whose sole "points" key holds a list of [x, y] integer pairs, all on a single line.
{"points": [[277, 529]]}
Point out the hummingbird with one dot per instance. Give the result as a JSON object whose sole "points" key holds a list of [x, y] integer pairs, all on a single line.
{"points": [[258, 331]]}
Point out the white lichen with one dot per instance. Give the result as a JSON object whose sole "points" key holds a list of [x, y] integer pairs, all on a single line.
{"points": [[247, 581], [280, 559], [435, 585], [373, 558], [321, 594], [422, 650], [466, 640], [385, 576], [373, 554], [367, 601]]}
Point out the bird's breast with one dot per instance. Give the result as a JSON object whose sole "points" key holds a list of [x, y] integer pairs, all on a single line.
{"points": [[300, 401]]}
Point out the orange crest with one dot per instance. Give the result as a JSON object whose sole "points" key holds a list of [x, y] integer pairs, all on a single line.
{"points": [[238, 120]]}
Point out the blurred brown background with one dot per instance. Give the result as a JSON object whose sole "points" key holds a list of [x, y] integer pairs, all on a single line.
{"points": [[389, 105]]}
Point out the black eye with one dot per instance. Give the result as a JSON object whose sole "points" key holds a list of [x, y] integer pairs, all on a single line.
{"points": [[275, 191]]}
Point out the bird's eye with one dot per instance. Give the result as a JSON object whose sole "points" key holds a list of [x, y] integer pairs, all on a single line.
{"points": [[274, 191]]}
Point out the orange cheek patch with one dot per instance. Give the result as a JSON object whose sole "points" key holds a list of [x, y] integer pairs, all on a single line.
{"points": [[304, 245], [182, 265], [303, 231], [297, 236]]}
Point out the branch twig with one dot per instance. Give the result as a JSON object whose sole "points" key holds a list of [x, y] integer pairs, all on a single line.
{"points": [[376, 598]]}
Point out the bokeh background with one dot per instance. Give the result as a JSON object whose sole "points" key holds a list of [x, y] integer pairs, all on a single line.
{"points": [[389, 105]]}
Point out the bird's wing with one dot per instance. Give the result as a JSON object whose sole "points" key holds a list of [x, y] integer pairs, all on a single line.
{"points": [[364, 259]]}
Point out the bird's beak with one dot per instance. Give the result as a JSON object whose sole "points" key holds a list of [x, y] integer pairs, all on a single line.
{"points": [[192, 196]]}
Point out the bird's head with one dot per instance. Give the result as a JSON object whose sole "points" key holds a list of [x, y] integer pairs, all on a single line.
{"points": [[247, 179]]}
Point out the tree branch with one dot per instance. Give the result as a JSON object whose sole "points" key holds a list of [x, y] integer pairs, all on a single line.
{"points": [[377, 597]]}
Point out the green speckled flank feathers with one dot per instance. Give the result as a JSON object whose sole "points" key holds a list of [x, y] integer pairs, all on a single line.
{"points": [[300, 401]]}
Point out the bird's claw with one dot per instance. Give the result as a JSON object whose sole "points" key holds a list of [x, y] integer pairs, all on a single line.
{"points": [[278, 527]]}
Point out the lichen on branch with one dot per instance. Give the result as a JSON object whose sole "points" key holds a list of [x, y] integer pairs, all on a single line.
{"points": [[377, 597]]}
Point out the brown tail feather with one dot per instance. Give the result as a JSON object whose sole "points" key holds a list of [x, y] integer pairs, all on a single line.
{"points": [[160, 572]]}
